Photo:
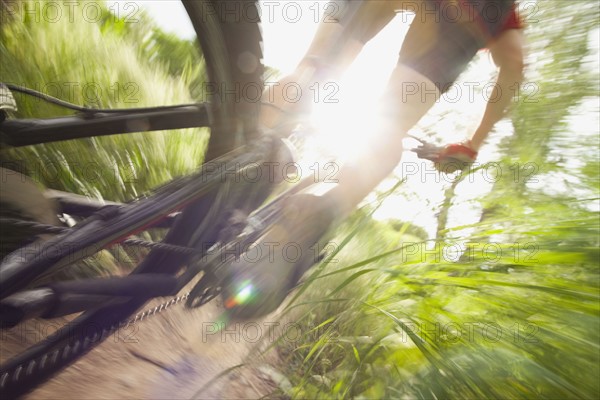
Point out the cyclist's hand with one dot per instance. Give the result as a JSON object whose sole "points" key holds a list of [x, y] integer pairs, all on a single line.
{"points": [[454, 157]]}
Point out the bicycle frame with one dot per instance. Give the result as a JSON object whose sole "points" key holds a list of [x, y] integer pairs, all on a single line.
{"points": [[112, 224], [25, 132], [107, 303]]}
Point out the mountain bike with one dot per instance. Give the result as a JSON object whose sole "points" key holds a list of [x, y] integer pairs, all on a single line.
{"points": [[211, 216], [197, 210]]}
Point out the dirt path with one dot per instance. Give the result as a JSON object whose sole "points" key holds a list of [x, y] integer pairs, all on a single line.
{"points": [[178, 354]]}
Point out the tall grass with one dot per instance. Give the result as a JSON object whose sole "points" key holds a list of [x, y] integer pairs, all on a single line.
{"points": [[91, 62], [518, 320], [395, 316], [104, 62]]}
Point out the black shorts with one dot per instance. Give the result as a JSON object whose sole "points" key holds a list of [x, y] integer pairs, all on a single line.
{"points": [[443, 54], [442, 38]]}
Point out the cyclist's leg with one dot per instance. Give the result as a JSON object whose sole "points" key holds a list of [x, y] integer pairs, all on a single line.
{"points": [[339, 39], [362, 21], [435, 51]]}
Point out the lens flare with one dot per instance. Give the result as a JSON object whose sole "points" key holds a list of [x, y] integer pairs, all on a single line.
{"points": [[244, 294]]}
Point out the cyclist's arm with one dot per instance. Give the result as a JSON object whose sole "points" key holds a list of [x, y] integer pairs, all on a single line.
{"points": [[507, 52]]}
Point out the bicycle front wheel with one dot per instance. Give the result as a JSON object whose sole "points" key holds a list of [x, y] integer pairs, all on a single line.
{"points": [[231, 48]]}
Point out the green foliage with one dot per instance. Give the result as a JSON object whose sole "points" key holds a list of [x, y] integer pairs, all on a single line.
{"points": [[109, 63], [510, 310]]}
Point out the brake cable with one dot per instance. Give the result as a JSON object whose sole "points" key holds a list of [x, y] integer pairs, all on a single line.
{"points": [[88, 110]]}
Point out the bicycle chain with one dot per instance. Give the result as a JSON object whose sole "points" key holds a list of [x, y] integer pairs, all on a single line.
{"points": [[49, 359], [72, 348]]}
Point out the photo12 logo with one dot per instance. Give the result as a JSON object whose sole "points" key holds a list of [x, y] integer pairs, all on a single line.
{"points": [[488, 252], [270, 171], [452, 172], [470, 332], [34, 331], [68, 172], [290, 12], [70, 11], [254, 92], [90, 93]]}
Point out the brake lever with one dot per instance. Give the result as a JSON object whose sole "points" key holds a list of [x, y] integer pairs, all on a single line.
{"points": [[426, 150]]}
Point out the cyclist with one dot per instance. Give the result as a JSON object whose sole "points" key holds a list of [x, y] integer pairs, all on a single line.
{"points": [[442, 39]]}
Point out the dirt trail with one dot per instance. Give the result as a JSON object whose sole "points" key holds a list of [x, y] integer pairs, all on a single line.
{"points": [[177, 354]]}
